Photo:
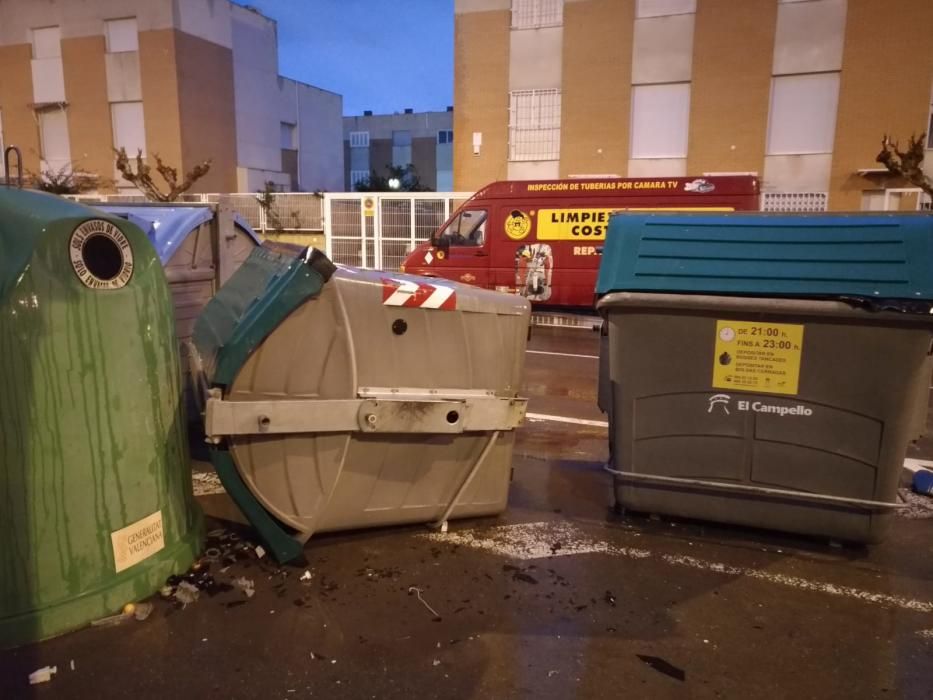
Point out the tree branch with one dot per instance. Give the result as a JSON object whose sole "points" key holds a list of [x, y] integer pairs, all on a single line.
{"points": [[907, 164], [141, 178]]}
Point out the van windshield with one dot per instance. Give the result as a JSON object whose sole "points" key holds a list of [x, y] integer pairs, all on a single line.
{"points": [[466, 229]]}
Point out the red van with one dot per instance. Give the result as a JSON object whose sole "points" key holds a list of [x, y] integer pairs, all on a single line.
{"points": [[542, 239]]}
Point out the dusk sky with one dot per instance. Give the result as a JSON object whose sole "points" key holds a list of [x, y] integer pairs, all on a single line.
{"points": [[383, 55]]}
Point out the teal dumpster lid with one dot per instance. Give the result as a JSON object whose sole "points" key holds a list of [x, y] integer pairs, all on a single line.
{"points": [[266, 288], [887, 256]]}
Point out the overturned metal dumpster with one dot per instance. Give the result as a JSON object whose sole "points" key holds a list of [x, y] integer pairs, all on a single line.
{"points": [[340, 398]]}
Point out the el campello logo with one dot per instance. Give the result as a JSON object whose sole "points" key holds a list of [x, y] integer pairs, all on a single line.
{"points": [[721, 400], [724, 401], [517, 225]]}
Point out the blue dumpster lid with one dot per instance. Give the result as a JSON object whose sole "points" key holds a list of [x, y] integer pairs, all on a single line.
{"points": [[168, 227], [888, 256]]}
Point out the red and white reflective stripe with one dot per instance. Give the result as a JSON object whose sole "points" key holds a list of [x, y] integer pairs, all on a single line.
{"points": [[418, 296]]}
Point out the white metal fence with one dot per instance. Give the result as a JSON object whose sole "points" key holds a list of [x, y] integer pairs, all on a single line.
{"points": [[378, 230], [794, 201], [372, 230]]}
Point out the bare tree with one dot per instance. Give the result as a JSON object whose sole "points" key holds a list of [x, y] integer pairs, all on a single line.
{"points": [[907, 164], [141, 177], [66, 180]]}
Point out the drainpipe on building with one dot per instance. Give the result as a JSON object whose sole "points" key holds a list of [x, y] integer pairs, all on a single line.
{"points": [[298, 130]]}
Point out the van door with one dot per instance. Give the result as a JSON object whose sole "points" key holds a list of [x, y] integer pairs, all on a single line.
{"points": [[465, 245]]}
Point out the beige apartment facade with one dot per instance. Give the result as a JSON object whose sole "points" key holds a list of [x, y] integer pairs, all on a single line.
{"points": [[189, 81], [798, 92]]}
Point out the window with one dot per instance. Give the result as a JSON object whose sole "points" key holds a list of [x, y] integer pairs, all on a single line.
{"points": [[358, 176], [466, 229], [534, 14], [534, 125], [809, 37], [662, 8], [47, 42], [445, 180], [53, 138], [359, 139], [122, 35], [803, 114], [401, 148], [660, 120], [289, 136], [359, 159], [129, 130], [48, 77], [445, 136]]}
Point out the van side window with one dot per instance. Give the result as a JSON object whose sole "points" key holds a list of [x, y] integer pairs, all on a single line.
{"points": [[467, 229]]}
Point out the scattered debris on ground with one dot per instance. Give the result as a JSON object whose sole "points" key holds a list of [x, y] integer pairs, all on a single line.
{"points": [[138, 611], [246, 585], [918, 507], [520, 574], [922, 483], [42, 675], [662, 666], [417, 591], [206, 483], [186, 593]]}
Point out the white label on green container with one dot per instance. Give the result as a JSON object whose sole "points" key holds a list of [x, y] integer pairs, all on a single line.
{"points": [[137, 541]]}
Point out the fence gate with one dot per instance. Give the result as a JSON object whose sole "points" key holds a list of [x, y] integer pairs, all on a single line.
{"points": [[378, 230]]}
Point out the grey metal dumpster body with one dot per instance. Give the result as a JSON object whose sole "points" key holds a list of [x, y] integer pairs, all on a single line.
{"points": [[781, 412], [344, 398]]}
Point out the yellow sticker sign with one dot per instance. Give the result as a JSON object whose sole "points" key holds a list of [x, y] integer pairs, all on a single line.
{"points": [[762, 357], [573, 224]]}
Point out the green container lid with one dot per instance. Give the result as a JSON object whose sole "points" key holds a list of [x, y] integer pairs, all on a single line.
{"points": [[872, 256], [95, 485]]}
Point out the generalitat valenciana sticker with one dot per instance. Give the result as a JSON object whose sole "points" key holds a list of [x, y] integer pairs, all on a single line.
{"points": [[101, 255], [137, 541]]}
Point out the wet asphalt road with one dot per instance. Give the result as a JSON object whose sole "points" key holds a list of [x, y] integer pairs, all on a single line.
{"points": [[557, 598]]}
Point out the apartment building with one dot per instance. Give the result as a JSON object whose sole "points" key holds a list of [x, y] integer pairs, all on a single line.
{"points": [[188, 81], [373, 142], [798, 91]]}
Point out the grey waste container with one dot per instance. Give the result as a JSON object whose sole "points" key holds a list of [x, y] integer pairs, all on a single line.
{"points": [[344, 398], [780, 412]]}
